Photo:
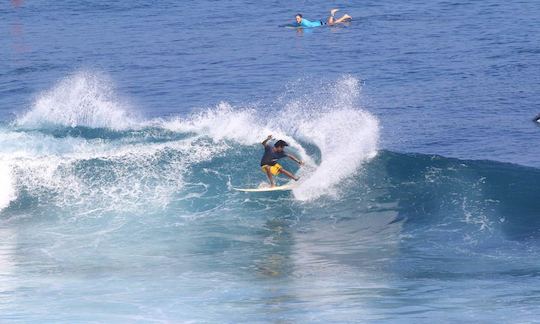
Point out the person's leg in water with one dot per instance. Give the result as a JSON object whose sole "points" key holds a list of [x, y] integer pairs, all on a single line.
{"points": [[333, 21], [269, 175], [288, 174]]}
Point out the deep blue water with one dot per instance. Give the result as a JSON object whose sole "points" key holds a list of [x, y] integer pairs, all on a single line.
{"points": [[124, 127]]}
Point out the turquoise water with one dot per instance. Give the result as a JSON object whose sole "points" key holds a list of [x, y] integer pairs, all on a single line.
{"points": [[125, 126]]}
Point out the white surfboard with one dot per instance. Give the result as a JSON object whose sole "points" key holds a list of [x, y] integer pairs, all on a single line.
{"points": [[266, 189]]}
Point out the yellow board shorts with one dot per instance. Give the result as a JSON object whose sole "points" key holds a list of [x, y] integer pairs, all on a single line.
{"points": [[274, 169]]}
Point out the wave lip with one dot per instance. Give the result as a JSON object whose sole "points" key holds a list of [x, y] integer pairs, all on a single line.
{"points": [[324, 126], [83, 99], [224, 122], [327, 117], [345, 134], [346, 138]]}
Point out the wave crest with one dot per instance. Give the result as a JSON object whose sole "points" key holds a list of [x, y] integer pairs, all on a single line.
{"points": [[328, 117], [83, 99], [324, 126]]}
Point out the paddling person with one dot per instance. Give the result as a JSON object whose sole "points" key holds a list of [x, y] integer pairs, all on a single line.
{"points": [[269, 163], [302, 22]]}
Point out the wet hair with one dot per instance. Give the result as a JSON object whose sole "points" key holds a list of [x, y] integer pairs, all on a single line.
{"points": [[299, 15], [281, 143]]}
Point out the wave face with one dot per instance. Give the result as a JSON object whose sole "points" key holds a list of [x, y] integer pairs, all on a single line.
{"points": [[98, 192], [79, 140], [79, 147]]}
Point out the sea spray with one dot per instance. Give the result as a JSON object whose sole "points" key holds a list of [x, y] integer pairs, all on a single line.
{"points": [[347, 141], [185, 166], [85, 98], [221, 122], [345, 134], [7, 186], [144, 163], [329, 118]]}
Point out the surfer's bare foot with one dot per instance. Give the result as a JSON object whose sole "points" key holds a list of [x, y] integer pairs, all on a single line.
{"points": [[333, 12], [296, 179]]}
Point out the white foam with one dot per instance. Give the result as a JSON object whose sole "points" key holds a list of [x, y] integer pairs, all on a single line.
{"points": [[82, 99], [138, 172], [345, 134], [222, 122], [67, 170], [131, 176], [7, 187], [346, 138]]}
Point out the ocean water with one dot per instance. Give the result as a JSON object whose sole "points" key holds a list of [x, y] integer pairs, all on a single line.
{"points": [[125, 126]]}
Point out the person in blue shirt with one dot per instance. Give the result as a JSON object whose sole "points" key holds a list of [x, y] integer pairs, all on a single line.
{"points": [[269, 163], [303, 22]]}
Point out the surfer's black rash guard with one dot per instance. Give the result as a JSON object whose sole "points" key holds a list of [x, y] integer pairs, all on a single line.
{"points": [[270, 157]]}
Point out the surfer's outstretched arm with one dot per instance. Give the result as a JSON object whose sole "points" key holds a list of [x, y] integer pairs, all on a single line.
{"points": [[295, 159], [266, 140]]}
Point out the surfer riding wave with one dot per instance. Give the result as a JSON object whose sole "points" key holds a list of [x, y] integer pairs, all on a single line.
{"points": [[269, 163]]}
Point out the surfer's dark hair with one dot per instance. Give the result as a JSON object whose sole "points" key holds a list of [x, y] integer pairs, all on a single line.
{"points": [[281, 143], [299, 15]]}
